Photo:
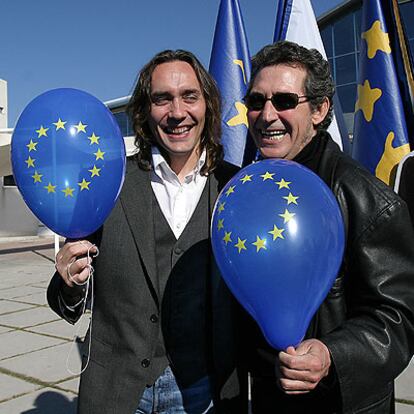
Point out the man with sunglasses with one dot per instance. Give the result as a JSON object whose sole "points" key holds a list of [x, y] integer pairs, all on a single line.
{"points": [[362, 336]]}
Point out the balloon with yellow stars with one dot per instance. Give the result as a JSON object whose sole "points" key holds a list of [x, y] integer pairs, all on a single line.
{"points": [[278, 239], [68, 160]]}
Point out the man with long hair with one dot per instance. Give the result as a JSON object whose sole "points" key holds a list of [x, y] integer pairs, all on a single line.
{"points": [[162, 337]]}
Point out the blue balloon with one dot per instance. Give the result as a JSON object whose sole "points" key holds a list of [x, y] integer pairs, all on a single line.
{"points": [[278, 239], [68, 159]]}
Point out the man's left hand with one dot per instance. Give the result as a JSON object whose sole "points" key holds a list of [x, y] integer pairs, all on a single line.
{"points": [[302, 369]]}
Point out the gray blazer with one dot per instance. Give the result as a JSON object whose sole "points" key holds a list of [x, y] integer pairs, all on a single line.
{"points": [[124, 331]]}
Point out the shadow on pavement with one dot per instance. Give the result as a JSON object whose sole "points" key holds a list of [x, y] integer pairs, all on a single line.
{"points": [[50, 402]]}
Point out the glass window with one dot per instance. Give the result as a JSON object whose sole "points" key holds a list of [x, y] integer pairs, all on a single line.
{"points": [[357, 21], [130, 129], [344, 35], [332, 67], [357, 63], [326, 35], [8, 180], [407, 14], [122, 120], [347, 96], [345, 69]]}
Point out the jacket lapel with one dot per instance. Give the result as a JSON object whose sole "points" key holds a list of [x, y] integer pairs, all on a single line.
{"points": [[215, 274], [136, 201]]}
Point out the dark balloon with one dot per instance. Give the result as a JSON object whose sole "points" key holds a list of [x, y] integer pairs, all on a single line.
{"points": [[278, 239], [68, 158]]}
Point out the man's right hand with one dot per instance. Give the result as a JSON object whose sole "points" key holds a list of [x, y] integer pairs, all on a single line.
{"points": [[72, 262]]}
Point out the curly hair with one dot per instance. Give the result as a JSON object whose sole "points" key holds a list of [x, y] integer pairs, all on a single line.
{"points": [[140, 102], [318, 82]]}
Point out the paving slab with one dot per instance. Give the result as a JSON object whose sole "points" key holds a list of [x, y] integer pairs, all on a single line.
{"points": [[59, 328], [11, 387], [18, 342], [405, 384], [4, 330], [29, 242], [16, 258], [38, 298], [47, 365], [71, 385], [45, 283], [43, 401], [8, 306], [404, 409], [25, 268], [31, 317], [17, 292]]}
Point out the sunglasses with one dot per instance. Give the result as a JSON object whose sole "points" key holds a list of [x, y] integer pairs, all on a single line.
{"points": [[282, 101]]}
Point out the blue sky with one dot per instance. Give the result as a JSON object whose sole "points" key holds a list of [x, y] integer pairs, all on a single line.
{"points": [[100, 45]]}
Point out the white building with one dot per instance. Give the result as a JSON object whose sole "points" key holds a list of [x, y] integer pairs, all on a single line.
{"points": [[15, 217]]}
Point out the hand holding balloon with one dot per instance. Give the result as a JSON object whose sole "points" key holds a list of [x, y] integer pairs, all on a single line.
{"points": [[278, 239], [73, 262], [301, 369]]}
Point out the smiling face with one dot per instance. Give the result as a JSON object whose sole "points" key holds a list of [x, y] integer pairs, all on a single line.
{"points": [[177, 113], [283, 134]]}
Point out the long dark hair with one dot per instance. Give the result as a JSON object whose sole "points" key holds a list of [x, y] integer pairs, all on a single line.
{"points": [[139, 109]]}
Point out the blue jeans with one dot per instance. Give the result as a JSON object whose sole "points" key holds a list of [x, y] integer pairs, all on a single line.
{"points": [[165, 397]]}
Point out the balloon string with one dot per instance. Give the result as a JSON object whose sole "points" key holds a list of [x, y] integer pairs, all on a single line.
{"points": [[89, 287]]}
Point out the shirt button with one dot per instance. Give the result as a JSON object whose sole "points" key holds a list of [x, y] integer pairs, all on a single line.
{"points": [[177, 251], [145, 363], [154, 318]]}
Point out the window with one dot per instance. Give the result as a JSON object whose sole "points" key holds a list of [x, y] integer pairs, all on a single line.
{"points": [[343, 31], [347, 96], [8, 181], [341, 39], [346, 69], [122, 120], [326, 35], [124, 123], [407, 15]]}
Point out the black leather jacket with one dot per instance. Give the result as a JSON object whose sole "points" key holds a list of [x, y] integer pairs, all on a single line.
{"points": [[367, 319]]}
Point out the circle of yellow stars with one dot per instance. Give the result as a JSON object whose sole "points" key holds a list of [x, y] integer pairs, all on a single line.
{"points": [[276, 233], [42, 134]]}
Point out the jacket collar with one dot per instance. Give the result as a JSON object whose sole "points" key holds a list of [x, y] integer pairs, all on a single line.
{"points": [[136, 202]]}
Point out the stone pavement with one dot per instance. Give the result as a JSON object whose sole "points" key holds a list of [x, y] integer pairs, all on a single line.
{"points": [[34, 342], [36, 347]]}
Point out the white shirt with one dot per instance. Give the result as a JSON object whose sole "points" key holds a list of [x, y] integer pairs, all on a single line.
{"points": [[177, 200]]}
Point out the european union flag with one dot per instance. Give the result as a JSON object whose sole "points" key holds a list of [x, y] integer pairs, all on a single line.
{"points": [[380, 127], [230, 67]]}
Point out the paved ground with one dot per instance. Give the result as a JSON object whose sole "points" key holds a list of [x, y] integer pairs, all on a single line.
{"points": [[38, 350], [35, 345]]}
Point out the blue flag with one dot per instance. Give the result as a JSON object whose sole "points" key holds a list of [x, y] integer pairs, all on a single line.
{"points": [[380, 127], [230, 67], [296, 22]]}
